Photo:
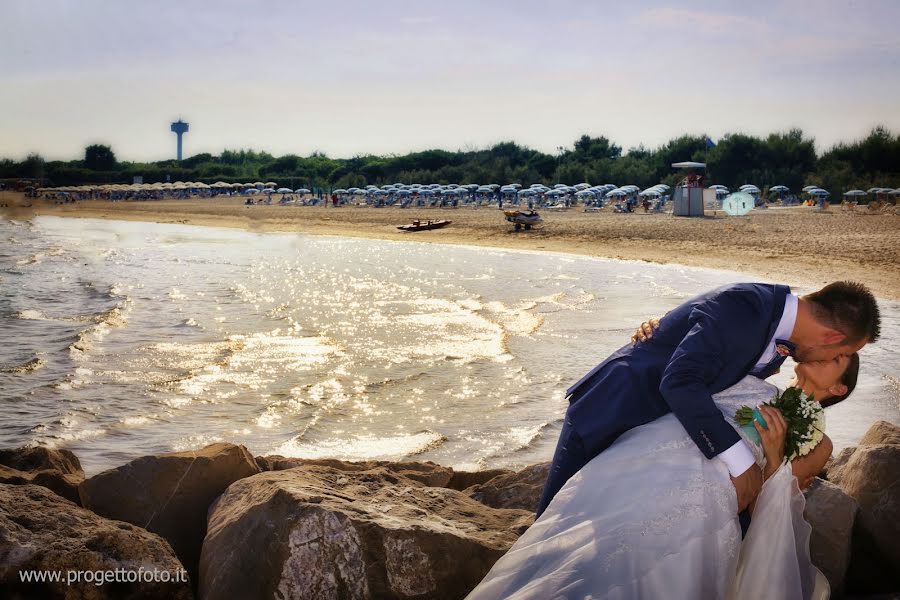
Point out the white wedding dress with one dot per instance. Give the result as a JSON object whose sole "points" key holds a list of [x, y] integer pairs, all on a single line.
{"points": [[651, 517]]}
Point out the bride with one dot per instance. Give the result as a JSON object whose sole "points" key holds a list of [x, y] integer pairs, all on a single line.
{"points": [[651, 517]]}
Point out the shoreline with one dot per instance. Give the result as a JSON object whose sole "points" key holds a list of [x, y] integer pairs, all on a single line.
{"points": [[795, 246]]}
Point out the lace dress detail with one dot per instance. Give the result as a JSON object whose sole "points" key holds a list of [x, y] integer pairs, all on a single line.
{"points": [[751, 392]]}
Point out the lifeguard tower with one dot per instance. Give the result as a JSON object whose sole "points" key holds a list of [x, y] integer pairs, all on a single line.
{"points": [[688, 196]]}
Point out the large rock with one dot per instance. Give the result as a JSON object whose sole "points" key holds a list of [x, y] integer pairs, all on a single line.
{"points": [[871, 476], [832, 514], [41, 532], [58, 470], [836, 464], [428, 473], [319, 532], [169, 494], [521, 489], [880, 434], [465, 479]]}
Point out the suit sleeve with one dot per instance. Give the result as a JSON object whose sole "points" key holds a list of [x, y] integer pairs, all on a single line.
{"points": [[698, 359]]}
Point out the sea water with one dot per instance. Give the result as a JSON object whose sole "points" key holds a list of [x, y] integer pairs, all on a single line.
{"points": [[119, 339]]}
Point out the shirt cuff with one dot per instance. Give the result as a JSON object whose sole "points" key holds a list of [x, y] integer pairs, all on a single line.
{"points": [[738, 459]]}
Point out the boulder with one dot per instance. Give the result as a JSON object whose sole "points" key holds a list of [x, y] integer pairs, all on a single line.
{"points": [[43, 534], [320, 532], [521, 489], [57, 470], [832, 514], [881, 433], [169, 494], [428, 473], [871, 475], [465, 479], [835, 464]]}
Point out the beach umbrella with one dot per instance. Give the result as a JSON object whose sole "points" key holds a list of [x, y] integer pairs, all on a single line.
{"points": [[650, 193], [285, 191], [873, 190], [738, 204], [810, 187], [251, 191], [855, 193], [302, 191], [779, 188], [582, 186], [818, 192], [616, 193]]}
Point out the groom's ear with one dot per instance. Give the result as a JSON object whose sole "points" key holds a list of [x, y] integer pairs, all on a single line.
{"points": [[832, 337]]}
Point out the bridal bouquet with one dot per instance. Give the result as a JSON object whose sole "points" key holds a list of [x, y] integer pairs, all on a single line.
{"points": [[804, 416]]}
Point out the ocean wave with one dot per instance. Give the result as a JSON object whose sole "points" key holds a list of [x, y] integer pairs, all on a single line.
{"points": [[27, 367], [103, 322], [34, 259], [364, 447]]}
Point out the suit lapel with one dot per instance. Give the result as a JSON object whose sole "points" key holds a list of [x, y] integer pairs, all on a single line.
{"points": [[779, 293]]}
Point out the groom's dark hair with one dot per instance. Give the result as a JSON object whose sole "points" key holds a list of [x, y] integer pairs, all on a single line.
{"points": [[848, 307]]}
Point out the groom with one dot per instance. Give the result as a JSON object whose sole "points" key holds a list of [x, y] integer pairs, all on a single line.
{"points": [[707, 344]]}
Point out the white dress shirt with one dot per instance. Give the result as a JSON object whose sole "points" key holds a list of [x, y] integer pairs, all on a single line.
{"points": [[739, 458]]}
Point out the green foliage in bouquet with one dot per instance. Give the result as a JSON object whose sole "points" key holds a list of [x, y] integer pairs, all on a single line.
{"points": [[801, 415]]}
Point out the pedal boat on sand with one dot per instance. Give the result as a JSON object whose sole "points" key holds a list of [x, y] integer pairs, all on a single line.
{"points": [[523, 218]]}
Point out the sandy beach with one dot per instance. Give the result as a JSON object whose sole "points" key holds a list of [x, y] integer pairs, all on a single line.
{"points": [[793, 245]]}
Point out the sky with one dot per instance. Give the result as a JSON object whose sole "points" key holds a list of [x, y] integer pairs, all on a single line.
{"points": [[394, 76]]}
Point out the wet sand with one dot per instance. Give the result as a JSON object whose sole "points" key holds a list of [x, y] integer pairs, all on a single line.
{"points": [[796, 245]]}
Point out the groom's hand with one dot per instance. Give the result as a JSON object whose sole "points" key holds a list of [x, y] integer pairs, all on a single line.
{"points": [[747, 486]]}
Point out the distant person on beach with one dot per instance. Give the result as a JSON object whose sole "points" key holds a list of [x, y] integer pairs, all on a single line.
{"points": [[650, 472]]}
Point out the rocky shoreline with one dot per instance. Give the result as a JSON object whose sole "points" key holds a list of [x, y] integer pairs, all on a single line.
{"points": [[273, 527]]}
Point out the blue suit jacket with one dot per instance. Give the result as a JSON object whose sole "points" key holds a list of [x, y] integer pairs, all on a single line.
{"points": [[707, 344]]}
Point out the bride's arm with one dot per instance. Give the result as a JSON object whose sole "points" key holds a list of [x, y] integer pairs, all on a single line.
{"points": [[806, 468], [772, 437]]}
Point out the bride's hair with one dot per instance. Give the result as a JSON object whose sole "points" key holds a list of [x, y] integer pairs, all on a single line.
{"points": [[848, 379]]}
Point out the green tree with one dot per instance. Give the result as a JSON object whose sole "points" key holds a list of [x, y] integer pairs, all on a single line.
{"points": [[98, 157], [33, 167]]}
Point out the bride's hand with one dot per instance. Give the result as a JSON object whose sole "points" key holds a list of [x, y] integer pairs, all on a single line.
{"points": [[645, 331], [772, 437]]}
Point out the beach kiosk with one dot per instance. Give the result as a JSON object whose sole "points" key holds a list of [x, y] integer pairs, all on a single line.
{"points": [[688, 196]]}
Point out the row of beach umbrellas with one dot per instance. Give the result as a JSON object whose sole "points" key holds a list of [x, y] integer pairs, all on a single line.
{"points": [[581, 190]]}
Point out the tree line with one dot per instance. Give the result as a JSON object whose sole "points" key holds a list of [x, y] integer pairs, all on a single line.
{"points": [[786, 158]]}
